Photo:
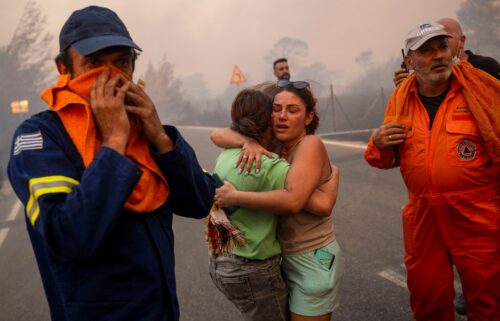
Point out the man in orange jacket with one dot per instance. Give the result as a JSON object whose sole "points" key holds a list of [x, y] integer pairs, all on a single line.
{"points": [[442, 128], [457, 43]]}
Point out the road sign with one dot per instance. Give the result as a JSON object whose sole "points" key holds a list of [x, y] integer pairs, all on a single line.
{"points": [[237, 77]]}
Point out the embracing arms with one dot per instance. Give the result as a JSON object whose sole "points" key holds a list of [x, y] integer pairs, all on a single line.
{"points": [[309, 165]]}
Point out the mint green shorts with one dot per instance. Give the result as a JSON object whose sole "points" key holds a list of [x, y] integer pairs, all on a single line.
{"points": [[312, 285]]}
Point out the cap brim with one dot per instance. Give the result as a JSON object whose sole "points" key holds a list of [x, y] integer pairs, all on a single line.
{"points": [[420, 42], [90, 45]]}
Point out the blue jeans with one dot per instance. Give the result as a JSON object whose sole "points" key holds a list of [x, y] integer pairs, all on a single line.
{"points": [[255, 287]]}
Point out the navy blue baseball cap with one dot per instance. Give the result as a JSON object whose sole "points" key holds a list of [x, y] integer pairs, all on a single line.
{"points": [[94, 28]]}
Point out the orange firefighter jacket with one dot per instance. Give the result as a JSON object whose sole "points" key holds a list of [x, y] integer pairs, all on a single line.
{"points": [[453, 156]]}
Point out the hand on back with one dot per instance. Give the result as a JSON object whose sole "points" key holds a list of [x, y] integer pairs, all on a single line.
{"points": [[251, 152], [225, 195]]}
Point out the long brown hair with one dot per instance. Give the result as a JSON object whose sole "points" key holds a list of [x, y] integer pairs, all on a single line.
{"points": [[251, 113]]}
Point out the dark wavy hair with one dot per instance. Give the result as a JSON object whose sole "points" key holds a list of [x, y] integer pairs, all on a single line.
{"points": [[306, 95], [251, 113]]}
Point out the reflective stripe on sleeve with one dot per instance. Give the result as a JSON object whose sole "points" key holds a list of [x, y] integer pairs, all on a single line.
{"points": [[46, 185]]}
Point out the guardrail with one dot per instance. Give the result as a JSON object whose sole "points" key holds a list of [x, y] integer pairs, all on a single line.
{"points": [[357, 131]]}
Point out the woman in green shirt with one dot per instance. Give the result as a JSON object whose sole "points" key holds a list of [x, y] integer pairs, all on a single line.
{"points": [[312, 260], [250, 276]]}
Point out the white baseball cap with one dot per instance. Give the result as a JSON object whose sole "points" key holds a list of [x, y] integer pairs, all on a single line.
{"points": [[417, 36]]}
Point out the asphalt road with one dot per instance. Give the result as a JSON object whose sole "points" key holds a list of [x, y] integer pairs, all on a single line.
{"points": [[367, 225]]}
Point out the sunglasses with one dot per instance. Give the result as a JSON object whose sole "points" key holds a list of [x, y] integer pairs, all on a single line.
{"points": [[283, 83]]}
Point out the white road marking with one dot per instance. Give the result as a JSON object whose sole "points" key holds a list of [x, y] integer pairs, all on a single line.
{"points": [[3, 234], [12, 216], [354, 131], [345, 144], [358, 145], [14, 211], [400, 280], [394, 277]]}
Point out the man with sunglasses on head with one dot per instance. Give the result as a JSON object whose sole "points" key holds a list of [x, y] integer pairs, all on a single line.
{"points": [[281, 69], [100, 178], [441, 126]]}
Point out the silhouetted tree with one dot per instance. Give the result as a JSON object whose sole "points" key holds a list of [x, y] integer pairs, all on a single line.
{"points": [[165, 90], [376, 76], [195, 87], [24, 66], [480, 20], [365, 59], [291, 48], [295, 50], [318, 75]]}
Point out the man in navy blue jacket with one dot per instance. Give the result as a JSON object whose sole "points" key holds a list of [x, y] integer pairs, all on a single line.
{"points": [[100, 178]]}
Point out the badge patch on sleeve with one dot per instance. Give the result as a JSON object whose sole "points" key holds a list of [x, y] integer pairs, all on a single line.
{"points": [[28, 142], [466, 150]]}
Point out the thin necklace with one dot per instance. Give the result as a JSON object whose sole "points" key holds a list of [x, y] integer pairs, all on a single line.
{"points": [[286, 152]]}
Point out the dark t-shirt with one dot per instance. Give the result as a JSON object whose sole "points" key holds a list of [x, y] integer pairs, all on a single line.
{"points": [[432, 104], [487, 64]]}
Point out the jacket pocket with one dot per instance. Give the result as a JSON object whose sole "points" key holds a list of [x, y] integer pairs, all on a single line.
{"points": [[465, 144]]}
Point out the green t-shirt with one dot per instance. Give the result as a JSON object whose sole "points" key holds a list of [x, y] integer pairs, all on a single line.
{"points": [[259, 227]]}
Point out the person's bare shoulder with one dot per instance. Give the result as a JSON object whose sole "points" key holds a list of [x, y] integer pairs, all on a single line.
{"points": [[312, 139], [311, 143]]}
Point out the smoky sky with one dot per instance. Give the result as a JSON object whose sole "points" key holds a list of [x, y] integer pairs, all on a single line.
{"points": [[210, 36]]}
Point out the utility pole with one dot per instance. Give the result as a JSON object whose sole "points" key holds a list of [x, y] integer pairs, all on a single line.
{"points": [[333, 98], [332, 103]]}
